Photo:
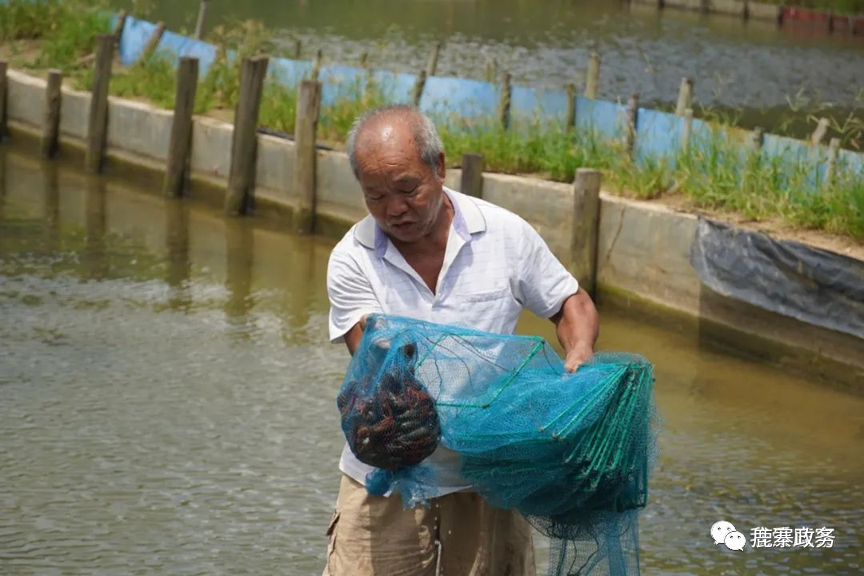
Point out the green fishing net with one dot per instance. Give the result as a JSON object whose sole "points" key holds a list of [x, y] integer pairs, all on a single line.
{"points": [[571, 452]]}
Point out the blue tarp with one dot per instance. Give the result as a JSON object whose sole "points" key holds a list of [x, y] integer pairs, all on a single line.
{"points": [[606, 119], [463, 97], [135, 35], [658, 134]]}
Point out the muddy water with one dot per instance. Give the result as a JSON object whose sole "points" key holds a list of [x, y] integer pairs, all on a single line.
{"points": [[747, 70], [167, 403]]}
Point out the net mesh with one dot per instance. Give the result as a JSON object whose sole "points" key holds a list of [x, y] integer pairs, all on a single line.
{"points": [[571, 452]]}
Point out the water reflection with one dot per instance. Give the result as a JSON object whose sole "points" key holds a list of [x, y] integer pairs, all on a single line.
{"points": [[176, 410], [51, 195], [96, 262], [177, 247], [239, 252]]}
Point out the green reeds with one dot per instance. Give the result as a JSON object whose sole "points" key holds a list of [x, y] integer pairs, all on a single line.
{"points": [[66, 29]]}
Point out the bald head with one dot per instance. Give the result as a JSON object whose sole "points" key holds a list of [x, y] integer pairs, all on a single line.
{"points": [[398, 128], [396, 156]]}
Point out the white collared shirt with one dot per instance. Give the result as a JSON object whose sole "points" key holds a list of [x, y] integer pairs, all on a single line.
{"points": [[495, 265]]}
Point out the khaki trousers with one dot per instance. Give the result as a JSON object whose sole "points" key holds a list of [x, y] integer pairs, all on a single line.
{"points": [[375, 536]]}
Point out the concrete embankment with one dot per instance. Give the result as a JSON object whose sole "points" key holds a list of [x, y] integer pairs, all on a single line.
{"points": [[643, 248]]}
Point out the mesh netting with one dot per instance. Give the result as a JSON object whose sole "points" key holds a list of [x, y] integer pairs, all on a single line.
{"points": [[569, 451]]}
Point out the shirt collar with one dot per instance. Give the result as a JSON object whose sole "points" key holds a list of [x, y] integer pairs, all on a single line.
{"points": [[467, 220]]}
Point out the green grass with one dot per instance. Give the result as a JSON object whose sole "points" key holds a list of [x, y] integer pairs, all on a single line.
{"points": [[714, 174], [66, 29]]}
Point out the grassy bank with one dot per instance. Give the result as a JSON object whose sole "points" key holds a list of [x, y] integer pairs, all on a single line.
{"points": [[713, 174]]}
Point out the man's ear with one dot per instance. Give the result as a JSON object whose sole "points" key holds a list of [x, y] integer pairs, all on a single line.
{"points": [[441, 167]]}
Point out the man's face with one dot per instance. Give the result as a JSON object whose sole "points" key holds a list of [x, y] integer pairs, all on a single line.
{"points": [[402, 192]]}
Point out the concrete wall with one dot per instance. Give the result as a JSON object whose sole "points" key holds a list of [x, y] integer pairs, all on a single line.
{"points": [[755, 10], [643, 251]]}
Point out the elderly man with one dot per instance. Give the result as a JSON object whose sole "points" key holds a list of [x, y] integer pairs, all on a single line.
{"points": [[431, 253]]}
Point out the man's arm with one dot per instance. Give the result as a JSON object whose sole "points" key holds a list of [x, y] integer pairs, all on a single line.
{"points": [[577, 326], [354, 335]]}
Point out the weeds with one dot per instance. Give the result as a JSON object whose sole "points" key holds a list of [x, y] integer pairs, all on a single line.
{"points": [[66, 29], [720, 172]]}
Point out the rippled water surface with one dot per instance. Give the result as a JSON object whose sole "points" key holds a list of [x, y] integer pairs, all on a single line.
{"points": [[167, 403]]}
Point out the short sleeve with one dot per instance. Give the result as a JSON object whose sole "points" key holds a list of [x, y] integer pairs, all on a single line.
{"points": [[350, 292], [543, 283]]}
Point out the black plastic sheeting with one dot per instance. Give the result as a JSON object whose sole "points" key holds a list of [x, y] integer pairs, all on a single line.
{"points": [[815, 286]]}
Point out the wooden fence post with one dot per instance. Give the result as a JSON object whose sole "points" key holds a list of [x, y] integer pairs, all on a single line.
{"points": [[820, 132], [305, 154], [586, 226], [504, 104], [51, 123], [118, 27], [316, 65], [244, 142], [570, 122], [97, 130], [632, 122], [4, 130], [687, 129], [202, 16], [177, 172], [432, 62], [592, 76], [491, 69], [298, 49], [833, 150], [685, 96], [472, 174], [152, 44], [756, 137], [419, 84]]}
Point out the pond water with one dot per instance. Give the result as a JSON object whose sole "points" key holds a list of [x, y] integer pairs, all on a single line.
{"points": [[167, 402], [747, 70]]}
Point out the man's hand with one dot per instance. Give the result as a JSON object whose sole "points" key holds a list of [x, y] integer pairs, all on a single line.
{"points": [[577, 326], [577, 356]]}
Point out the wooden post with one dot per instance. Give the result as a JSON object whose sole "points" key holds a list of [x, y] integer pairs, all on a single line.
{"points": [[177, 172], [833, 150], [419, 84], [305, 136], [472, 174], [152, 44], [316, 65], [592, 76], [98, 123], [756, 137], [118, 27], [3, 91], [504, 104], [432, 63], [491, 69], [241, 180], [571, 107], [687, 129], [586, 226], [202, 16], [364, 59], [819, 133], [745, 14], [51, 125], [632, 119], [685, 96], [298, 49]]}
